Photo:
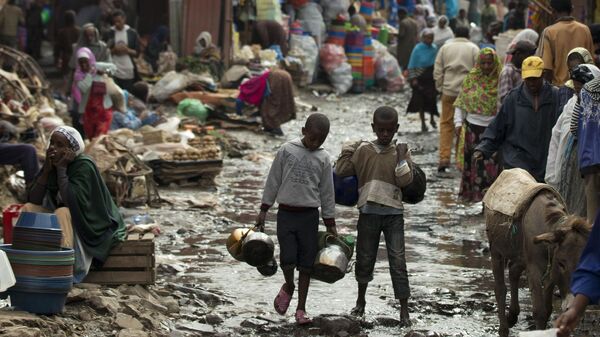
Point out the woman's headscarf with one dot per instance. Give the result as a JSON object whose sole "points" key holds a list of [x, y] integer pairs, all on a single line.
{"points": [[423, 55], [526, 35], [203, 37], [479, 91], [96, 46], [73, 136], [584, 73], [441, 35], [79, 74], [584, 53]]}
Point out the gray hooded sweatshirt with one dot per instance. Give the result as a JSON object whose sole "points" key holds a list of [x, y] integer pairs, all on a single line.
{"points": [[301, 178]]}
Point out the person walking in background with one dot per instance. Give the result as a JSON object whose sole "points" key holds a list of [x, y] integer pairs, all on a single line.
{"points": [[473, 13], [488, 15], [562, 168], [522, 129], [475, 107], [453, 62], [35, 29], [442, 32], [124, 44], [420, 77], [559, 39], [462, 20], [510, 77], [587, 112], [408, 36], [90, 38], [575, 57], [63, 47], [11, 17]]}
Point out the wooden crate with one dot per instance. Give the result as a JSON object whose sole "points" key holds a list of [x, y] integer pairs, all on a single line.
{"points": [[130, 262]]}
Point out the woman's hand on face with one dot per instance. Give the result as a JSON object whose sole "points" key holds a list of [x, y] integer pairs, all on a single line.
{"points": [[67, 157]]}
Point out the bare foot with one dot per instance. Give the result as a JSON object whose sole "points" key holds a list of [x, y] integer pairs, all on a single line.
{"points": [[358, 310]]}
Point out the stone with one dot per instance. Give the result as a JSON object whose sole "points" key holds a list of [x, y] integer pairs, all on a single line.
{"points": [[182, 231], [254, 323], [20, 331], [422, 333], [149, 321], [105, 304], [331, 324], [77, 295], [342, 334], [128, 322], [88, 286], [386, 321], [213, 319], [85, 316], [153, 305], [170, 303], [131, 309], [195, 326], [132, 333]]}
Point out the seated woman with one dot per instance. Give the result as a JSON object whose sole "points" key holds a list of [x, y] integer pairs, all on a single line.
{"points": [[70, 185], [209, 55], [136, 115]]}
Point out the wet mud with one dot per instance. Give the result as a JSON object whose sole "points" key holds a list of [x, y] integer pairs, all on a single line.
{"points": [[447, 250]]}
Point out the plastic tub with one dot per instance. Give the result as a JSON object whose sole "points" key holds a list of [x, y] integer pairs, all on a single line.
{"points": [[38, 220], [38, 303]]}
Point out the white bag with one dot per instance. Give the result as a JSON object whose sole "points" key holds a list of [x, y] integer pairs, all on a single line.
{"points": [[305, 48], [341, 78], [7, 277]]}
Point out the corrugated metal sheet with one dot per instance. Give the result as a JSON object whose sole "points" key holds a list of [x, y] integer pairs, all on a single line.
{"points": [[212, 16]]}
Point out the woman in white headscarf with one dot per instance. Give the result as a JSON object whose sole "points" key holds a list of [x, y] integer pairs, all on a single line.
{"points": [[441, 32], [209, 54], [71, 186], [562, 167]]}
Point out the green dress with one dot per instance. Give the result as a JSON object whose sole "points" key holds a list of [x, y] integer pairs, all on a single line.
{"points": [[95, 217]]}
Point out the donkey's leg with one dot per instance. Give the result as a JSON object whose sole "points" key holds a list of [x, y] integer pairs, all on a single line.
{"points": [[500, 292], [514, 275]]}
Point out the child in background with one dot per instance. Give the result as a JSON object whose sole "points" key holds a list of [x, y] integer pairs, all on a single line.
{"points": [[89, 89], [382, 170], [301, 180]]}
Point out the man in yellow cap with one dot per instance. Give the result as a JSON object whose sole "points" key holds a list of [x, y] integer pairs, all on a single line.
{"points": [[521, 131]]}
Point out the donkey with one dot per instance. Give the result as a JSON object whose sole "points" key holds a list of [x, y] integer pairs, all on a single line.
{"points": [[518, 244]]}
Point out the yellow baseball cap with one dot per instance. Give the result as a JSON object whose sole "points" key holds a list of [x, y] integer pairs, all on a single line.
{"points": [[533, 66]]}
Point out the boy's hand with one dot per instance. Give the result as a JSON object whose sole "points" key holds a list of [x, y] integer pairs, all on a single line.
{"points": [[332, 230], [260, 221], [566, 322], [402, 151], [477, 155]]}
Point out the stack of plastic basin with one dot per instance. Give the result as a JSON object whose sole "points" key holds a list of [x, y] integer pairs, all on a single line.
{"points": [[45, 275]]}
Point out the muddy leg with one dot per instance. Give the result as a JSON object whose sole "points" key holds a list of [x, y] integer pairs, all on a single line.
{"points": [[288, 274], [540, 315], [423, 125], [514, 274], [547, 300], [303, 283], [500, 291]]}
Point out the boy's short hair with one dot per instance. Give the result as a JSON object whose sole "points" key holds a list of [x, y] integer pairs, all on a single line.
{"points": [[317, 121], [385, 113], [140, 90]]}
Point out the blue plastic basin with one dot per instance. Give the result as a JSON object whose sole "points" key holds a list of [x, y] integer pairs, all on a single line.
{"points": [[38, 220]]}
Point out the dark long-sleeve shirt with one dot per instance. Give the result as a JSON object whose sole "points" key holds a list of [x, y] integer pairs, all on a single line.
{"points": [[586, 279], [521, 134]]}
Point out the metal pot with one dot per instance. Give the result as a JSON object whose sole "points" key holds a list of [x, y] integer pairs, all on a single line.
{"points": [[331, 264], [234, 242], [258, 249], [268, 269]]}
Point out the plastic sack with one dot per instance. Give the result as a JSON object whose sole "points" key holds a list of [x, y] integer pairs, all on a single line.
{"points": [[333, 8], [244, 55], [387, 68], [171, 83], [346, 190], [268, 10], [341, 78], [268, 58], [192, 108], [305, 48], [332, 56], [539, 333], [312, 21]]}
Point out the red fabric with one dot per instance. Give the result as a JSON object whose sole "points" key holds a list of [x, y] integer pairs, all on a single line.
{"points": [[96, 119], [253, 90]]}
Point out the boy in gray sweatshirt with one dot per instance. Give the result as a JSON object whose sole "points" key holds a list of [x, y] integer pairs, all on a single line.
{"points": [[301, 181]]}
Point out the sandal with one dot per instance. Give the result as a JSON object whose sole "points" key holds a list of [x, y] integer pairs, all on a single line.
{"points": [[282, 301], [301, 318]]}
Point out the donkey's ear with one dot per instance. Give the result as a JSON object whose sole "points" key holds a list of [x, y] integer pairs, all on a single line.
{"points": [[550, 237]]}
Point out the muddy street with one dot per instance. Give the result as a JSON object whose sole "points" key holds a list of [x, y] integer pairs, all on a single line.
{"points": [[451, 283]]}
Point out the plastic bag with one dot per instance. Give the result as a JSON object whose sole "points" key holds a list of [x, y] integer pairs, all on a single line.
{"points": [[244, 55], [333, 8], [387, 68], [192, 108], [171, 83], [341, 78], [268, 58], [305, 48], [332, 56]]}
